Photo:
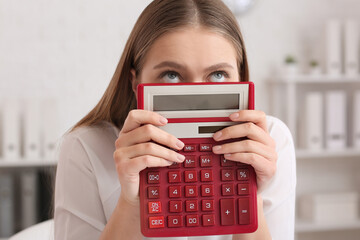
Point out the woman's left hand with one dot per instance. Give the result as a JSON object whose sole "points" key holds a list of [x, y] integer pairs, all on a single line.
{"points": [[258, 150]]}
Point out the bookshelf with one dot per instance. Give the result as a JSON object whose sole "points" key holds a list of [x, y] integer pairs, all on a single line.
{"points": [[323, 170]]}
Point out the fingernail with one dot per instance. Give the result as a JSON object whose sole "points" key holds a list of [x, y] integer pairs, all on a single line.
{"points": [[234, 115], [216, 148], [217, 135], [180, 144], [180, 157], [163, 120]]}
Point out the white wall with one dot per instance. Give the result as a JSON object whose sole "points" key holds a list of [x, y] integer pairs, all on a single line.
{"points": [[69, 49]]}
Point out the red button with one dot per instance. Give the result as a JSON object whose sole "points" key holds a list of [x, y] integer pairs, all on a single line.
{"points": [[191, 191], [208, 220], [206, 175], [175, 221], [153, 177], [154, 207], [189, 161], [205, 147], [244, 213], [207, 205], [227, 175], [191, 205], [226, 163], [192, 220], [227, 211], [156, 222], [227, 189], [242, 174], [175, 206], [174, 191], [174, 165], [243, 189], [206, 161], [190, 176], [207, 190], [189, 148], [153, 192], [174, 177]]}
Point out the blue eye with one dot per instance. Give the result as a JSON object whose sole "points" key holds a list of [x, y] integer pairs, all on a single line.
{"points": [[171, 77], [217, 77]]}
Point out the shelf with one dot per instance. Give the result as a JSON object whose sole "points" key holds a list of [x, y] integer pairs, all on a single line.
{"points": [[326, 153], [304, 78], [26, 163], [310, 226]]}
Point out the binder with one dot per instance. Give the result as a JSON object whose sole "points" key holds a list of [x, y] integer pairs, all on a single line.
{"points": [[314, 120], [351, 45], [356, 122], [11, 130], [50, 128], [335, 119], [32, 130], [333, 47], [28, 198], [6, 205]]}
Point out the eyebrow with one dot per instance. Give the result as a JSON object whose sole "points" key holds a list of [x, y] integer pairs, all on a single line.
{"points": [[179, 66]]}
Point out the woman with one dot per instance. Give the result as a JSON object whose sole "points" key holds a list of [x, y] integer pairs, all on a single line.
{"points": [[97, 185]]}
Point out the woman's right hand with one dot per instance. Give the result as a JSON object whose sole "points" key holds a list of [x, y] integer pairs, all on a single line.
{"points": [[137, 148]]}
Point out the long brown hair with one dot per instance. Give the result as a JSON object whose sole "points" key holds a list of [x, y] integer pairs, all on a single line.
{"points": [[159, 17]]}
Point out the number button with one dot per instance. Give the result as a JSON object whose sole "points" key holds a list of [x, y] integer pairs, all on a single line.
{"points": [[207, 205], [191, 206], [153, 177], [206, 175], [174, 177], [153, 192], [174, 191], [190, 176], [175, 206], [191, 191], [175, 221], [192, 220], [205, 147], [227, 175]]}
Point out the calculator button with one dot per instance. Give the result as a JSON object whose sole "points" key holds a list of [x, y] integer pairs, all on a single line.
{"points": [[243, 189], [191, 191], [190, 148], [205, 148], [153, 177], [175, 206], [227, 211], [227, 189], [227, 175], [207, 190], [153, 192], [191, 206], [154, 207], [208, 220], [174, 177], [156, 222], [206, 175], [242, 174], [174, 165], [192, 220], [205, 160], [207, 205], [190, 176], [189, 161], [174, 191], [175, 221], [244, 214], [226, 163]]}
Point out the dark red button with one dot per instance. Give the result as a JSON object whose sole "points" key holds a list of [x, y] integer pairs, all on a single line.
{"points": [[207, 205], [175, 221], [226, 163], [153, 177], [207, 190], [205, 147], [189, 161], [227, 189], [243, 189], [191, 191], [208, 220], [242, 174], [192, 220], [206, 161], [191, 205], [244, 211], [206, 175], [153, 192], [190, 176], [174, 177], [189, 148], [174, 191], [227, 209], [175, 206], [227, 175]]}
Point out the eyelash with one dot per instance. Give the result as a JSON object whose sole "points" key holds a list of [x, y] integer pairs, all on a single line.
{"points": [[163, 74]]}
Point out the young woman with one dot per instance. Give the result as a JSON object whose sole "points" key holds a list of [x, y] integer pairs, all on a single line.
{"points": [[97, 184]]}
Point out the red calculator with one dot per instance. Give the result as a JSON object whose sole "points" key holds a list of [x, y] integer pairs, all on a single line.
{"points": [[206, 194]]}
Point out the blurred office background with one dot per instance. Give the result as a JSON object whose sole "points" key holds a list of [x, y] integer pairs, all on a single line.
{"points": [[57, 58]]}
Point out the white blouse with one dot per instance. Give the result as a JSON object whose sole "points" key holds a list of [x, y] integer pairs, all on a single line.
{"points": [[87, 186]]}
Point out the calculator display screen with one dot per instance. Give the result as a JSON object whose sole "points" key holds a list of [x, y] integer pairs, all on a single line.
{"points": [[210, 129], [196, 102]]}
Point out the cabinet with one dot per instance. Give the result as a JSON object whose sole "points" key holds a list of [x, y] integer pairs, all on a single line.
{"points": [[323, 170]]}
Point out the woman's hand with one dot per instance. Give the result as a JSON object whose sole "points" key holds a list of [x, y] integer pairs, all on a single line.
{"points": [[137, 148], [258, 149]]}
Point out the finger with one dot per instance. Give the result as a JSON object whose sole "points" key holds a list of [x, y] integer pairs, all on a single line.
{"points": [[262, 166], [248, 129], [136, 118], [247, 146], [255, 116], [140, 163], [148, 133], [149, 148]]}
